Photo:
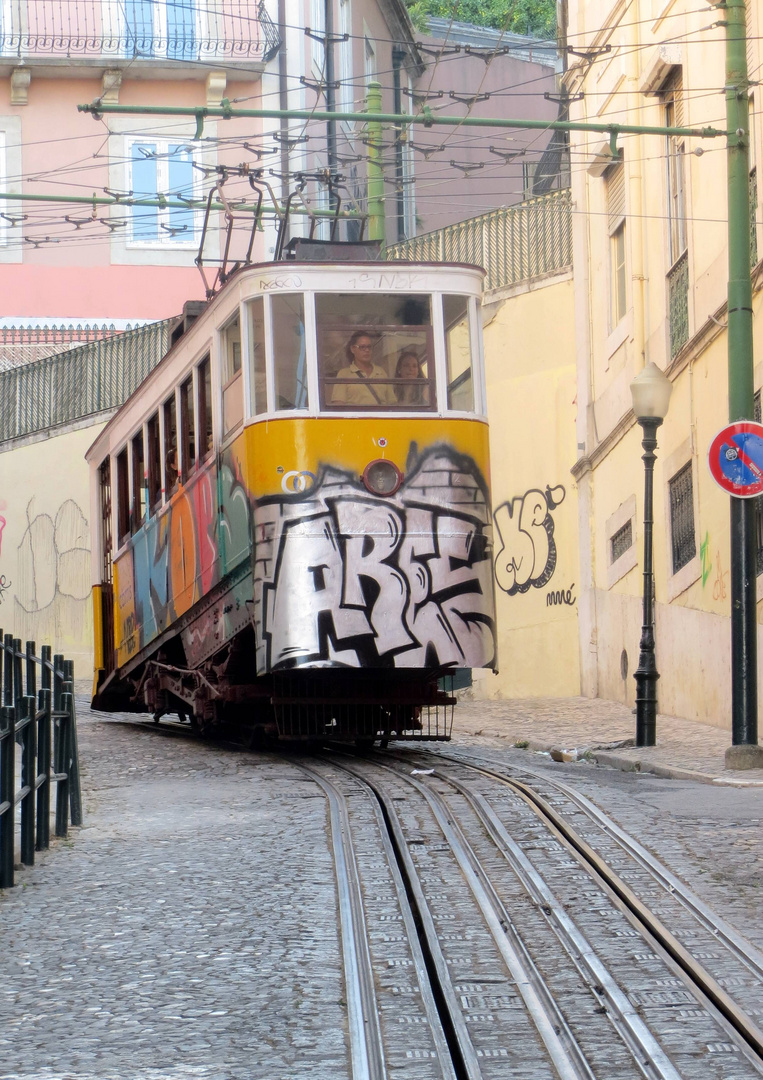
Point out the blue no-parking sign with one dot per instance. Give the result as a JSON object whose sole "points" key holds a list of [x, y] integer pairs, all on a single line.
{"points": [[736, 459]]}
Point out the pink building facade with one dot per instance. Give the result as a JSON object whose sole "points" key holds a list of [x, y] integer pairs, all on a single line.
{"points": [[86, 261]]}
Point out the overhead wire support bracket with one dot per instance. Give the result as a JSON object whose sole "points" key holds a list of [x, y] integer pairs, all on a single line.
{"points": [[563, 99], [469, 100], [326, 39], [319, 85], [507, 155], [437, 53], [467, 167], [485, 54], [589, 54]]}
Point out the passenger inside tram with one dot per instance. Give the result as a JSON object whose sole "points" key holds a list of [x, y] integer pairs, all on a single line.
{"points": [[365, 382]]}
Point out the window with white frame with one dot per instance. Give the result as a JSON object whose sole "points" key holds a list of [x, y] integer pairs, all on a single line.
{"points": [[161, 169], [615, 194], [164, 28]]}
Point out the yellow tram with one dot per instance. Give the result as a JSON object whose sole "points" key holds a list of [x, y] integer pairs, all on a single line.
{"points": [[294, 507]]}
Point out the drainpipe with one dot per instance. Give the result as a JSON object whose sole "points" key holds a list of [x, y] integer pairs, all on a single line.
{"points": [[397, 59]]}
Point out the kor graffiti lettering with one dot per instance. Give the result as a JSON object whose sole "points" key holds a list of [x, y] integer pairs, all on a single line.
{"points": [[527, 556], [346, 577]]}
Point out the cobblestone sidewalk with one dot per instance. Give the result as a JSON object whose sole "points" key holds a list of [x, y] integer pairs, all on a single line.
{"points": [[606, 729]]}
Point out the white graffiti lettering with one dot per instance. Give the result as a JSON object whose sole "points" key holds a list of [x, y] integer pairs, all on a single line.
{"points": [[342, 576]]}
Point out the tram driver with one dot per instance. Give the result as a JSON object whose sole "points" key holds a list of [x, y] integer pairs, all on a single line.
{"points": [[370, 385]]}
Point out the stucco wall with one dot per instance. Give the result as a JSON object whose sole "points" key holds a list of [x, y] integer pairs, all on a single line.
{"points": [[45, 546], [530, 365]]}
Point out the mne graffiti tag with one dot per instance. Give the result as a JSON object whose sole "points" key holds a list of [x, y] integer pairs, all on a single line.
{"points": [[346, 577], [526, 529]]}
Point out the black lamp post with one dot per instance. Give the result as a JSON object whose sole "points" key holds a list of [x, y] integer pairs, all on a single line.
{"points": [[650, 391]]}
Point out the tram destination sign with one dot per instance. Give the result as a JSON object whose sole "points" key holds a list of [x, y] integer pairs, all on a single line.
{"points": [[736, 459]]}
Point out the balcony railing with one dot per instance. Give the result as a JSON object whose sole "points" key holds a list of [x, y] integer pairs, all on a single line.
{"points": [[190, 30], [515, 243], [678, 304]]}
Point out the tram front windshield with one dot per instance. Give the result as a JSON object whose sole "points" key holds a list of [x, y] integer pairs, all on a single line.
{"points": [[375, 351]]}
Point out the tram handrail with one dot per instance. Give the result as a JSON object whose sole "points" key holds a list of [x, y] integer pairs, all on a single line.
{"points": [[43, 722]]}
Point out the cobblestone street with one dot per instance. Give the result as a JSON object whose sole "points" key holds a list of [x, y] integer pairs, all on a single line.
{"points": [[189, 929]]}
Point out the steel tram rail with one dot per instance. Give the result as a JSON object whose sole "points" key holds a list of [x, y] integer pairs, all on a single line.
{"points": [[647, 1053], [701, 981], [743, 951]]}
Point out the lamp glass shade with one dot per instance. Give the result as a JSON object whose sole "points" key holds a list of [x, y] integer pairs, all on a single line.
{"points": [[651, 392]]}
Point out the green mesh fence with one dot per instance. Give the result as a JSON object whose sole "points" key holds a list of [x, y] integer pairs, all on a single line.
{"points": [[513, 244], [90, 378]]}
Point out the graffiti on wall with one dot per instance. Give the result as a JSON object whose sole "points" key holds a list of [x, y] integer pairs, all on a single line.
{"points": [[527, 555], [52, 583], [347, 577]]}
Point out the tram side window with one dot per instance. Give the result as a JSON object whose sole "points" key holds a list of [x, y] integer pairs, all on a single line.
{"points": [[123, 498], [188, 427], [233, 398], [170, 446], [257, 363], [375, 351], [458, 350], [290, 355], [138, 483], [204, 385], [154, 464]]}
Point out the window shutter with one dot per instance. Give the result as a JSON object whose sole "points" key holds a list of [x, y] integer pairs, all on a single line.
{"points": [[615, 179]]}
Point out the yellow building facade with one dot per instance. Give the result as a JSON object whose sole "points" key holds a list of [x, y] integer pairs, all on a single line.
{"points": [[530, 375], [650, 284]]}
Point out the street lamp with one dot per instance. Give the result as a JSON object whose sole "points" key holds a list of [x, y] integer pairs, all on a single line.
{"points": [[650, 391]]}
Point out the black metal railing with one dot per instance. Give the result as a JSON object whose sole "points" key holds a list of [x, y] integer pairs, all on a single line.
{"points": [[42, 722]]}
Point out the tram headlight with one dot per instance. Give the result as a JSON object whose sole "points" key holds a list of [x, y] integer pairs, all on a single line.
{"points": [[382, 477]]}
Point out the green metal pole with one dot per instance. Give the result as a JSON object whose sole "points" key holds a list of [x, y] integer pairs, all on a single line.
{"points": [[744, 751], [376, 229], [425, 117]]}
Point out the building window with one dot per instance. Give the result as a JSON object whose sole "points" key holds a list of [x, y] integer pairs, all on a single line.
{"points": [[684, 544], [615, 181], [165, 28], [675, 149], [159, 168], [621, 542]]}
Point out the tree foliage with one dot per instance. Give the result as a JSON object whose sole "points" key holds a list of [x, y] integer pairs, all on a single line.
{"points": [[536, 18]]}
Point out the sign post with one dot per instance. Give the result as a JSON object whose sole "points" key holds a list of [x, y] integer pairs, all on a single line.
{"points": [[736, 464]]}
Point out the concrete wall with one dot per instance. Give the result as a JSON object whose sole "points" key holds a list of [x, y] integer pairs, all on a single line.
{"points": [[45, 545], [531, 404]]}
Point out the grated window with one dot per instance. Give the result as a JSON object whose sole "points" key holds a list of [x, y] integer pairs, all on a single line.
{"points": [[621, 541], [682, 518]]}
